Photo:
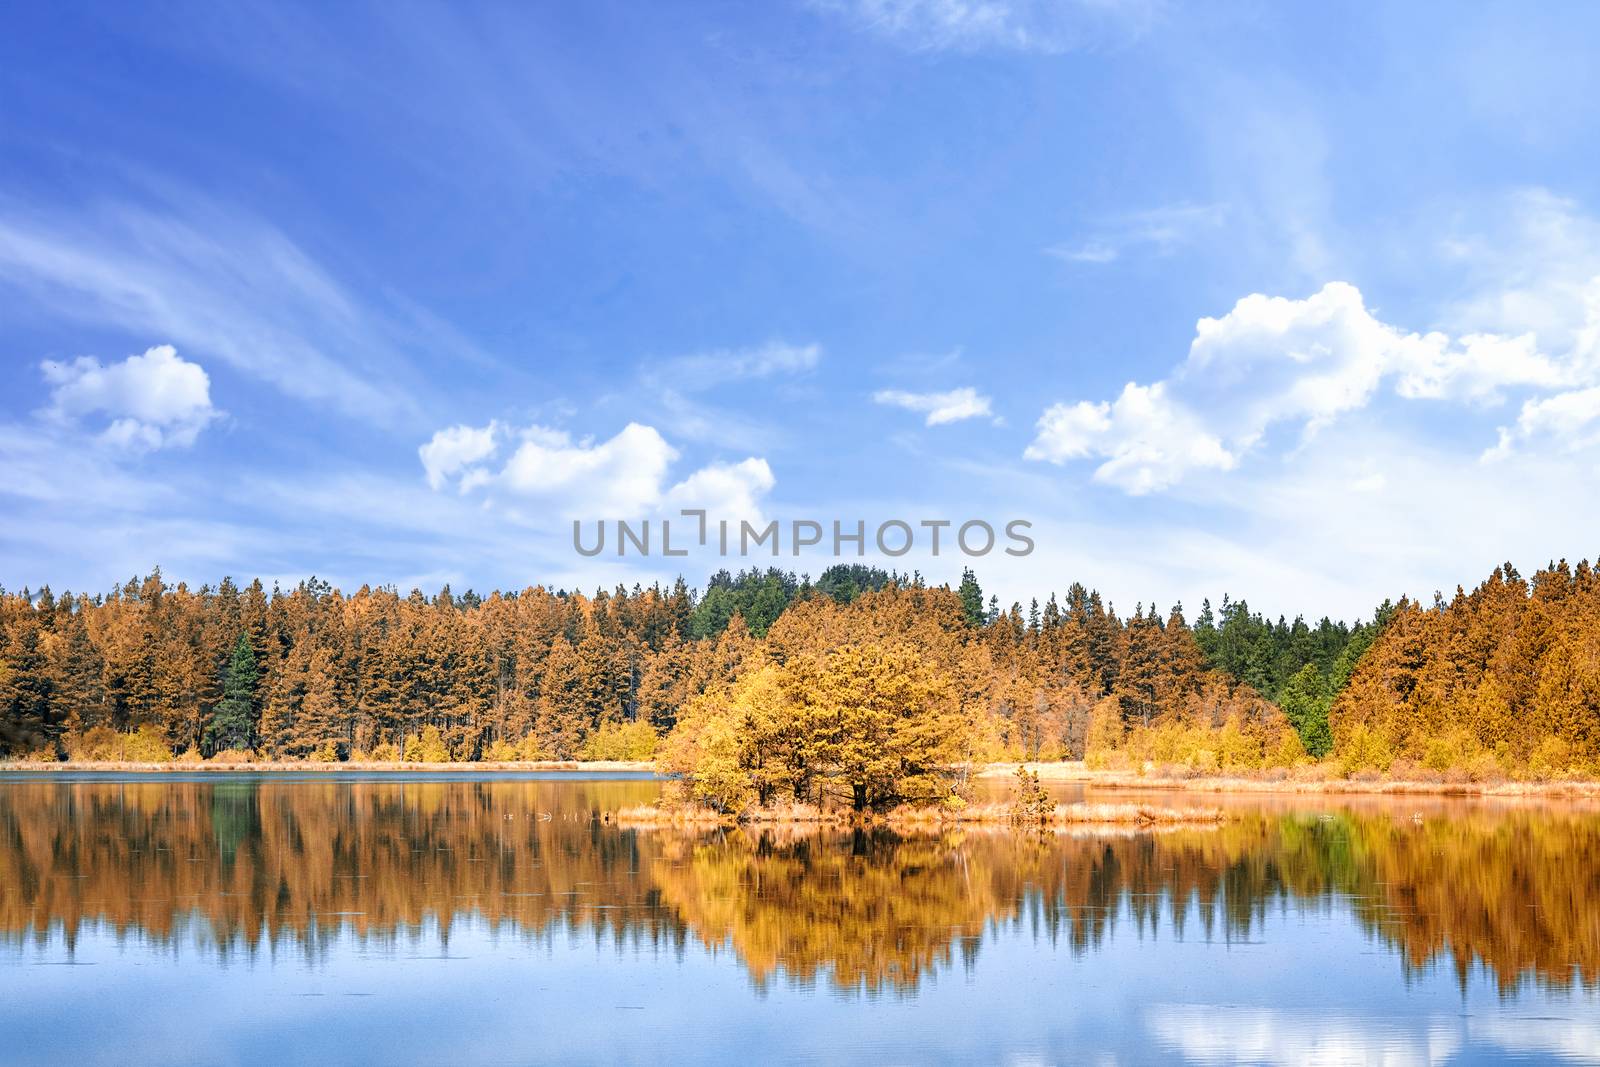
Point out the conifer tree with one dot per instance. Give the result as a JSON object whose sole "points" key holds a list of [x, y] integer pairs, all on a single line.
{"points": [[233, 720]]}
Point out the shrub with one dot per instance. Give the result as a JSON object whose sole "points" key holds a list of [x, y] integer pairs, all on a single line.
{"points": [[1364, 749], [94, 744], [427, 746], [1105, 734], [620, 741], [501, 751], [1032, 805], [146, 745], [1551, 759]]}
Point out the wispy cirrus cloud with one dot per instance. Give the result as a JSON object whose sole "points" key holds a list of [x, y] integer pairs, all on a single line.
{"points": [[1044, 26], [1157, 231], [219, 285], [682, 388], [939, 408]]}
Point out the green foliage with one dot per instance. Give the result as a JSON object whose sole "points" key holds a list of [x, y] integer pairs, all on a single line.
{"points": [[843, 582], [758, 596], [971, 594], [1305, 700], [232, 722]]}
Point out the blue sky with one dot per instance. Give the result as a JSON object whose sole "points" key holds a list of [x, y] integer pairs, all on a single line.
{"points": [[1295, 302]]}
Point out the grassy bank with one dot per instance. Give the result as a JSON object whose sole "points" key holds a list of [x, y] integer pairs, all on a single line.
{"points": [[1317, 778]]}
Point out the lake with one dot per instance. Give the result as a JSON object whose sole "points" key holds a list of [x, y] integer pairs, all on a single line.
{"points": [[210, 918]]}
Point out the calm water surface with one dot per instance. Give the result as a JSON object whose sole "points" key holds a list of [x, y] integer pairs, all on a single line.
{"points": [[470, 919]]}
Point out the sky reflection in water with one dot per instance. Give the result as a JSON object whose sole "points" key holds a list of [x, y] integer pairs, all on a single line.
{"points": [[249, 920]]}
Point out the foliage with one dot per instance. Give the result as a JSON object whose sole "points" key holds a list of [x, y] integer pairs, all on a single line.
{"points": [[426, 746], [232, 722], [1505, 679], [620, 741], [1032, 805], [1501, 681]]}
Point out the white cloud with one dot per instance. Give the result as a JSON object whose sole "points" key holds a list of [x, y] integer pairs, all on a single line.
{"points": [[1159, 230], [625, 476], [220, 286], [705, 370], [154, 400], [674, 387], [1533, 268], [1147, 442], [940, 408], [1571, 420], [725, 490], [457, 450], [616, 478], [1297, 362], [1048, 26]]}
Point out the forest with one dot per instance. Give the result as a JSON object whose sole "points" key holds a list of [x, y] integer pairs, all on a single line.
{"points": [[765, 685]]}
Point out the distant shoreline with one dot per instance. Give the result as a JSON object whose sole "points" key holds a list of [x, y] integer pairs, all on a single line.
{"points": [[1077, 772], [1069, 772], [313, 767]]}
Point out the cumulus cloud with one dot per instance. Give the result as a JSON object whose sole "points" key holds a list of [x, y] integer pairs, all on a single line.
{"points": [[155, 400], [939, 408], [1301, 363], [619, 477], [1571, 420], [730, 490], [624, 476], [457, 450], [1147, 442]]}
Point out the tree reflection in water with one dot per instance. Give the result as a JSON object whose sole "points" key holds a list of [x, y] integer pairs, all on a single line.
{"points": [[250, 862]]}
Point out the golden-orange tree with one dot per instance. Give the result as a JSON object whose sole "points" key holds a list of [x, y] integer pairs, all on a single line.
{"points": [[1504, 679]]}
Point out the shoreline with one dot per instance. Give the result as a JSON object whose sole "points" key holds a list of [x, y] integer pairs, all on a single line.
{"points": [[1075, 772], [309, 766], [1069, 773]]}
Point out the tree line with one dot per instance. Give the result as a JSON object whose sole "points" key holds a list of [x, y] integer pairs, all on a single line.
{"points": [[1502, 679], [309, 672]]}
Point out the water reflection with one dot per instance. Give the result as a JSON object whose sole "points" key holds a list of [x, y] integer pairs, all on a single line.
{"points": [[243, 863]]}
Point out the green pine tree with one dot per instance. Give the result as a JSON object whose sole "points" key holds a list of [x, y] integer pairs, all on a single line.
{"points": [[971, 598], [232, 722], [1305, 700]]}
